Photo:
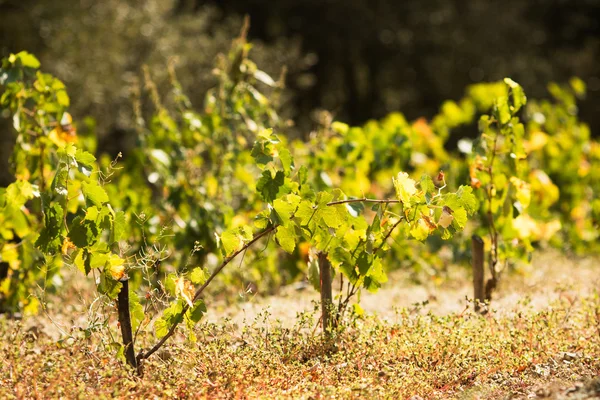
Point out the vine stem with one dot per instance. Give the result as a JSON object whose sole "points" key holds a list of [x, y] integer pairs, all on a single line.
{"points": [[198, 293], [363, 200], [493, 231], [388, 235], [354, 288], [143, 355], [42, 178]]}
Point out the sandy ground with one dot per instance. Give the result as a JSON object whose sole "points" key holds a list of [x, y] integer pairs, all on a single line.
{"points": [[550, 276]]}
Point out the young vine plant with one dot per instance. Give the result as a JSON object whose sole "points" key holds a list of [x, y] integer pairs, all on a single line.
{"points": [[59, 206]]}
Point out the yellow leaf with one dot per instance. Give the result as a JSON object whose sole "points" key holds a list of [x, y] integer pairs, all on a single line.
{"points": [[549, 229], [525, 227], [523, 191], [446, 218], [117, 271], [405, 187], [116, 267], [537, 140], [185, 289], [67, 245], [420, 230]]}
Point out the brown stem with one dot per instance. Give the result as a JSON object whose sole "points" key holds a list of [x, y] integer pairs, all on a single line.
{"points": [[490, 215], [42, 178], [363, 200], [326, 293], [339, 311], [226, 261], [352, 290], [478, 271], [125, 322], [387, 236]]}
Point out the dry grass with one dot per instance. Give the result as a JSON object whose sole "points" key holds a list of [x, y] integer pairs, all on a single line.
{"points": [[544, 342]]}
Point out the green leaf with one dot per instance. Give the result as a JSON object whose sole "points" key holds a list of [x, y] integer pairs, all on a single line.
{"points": [[119, 350], [340, 127], [85, 162], [234, 239], [578, 86], [171, 316], [198, 276], [323, 198], [50, 239], [19, 192], [108, 286], [83, 233], [230, 242], [91, 214], [518, 95], [170, 284], [427, 185], [376, 276], [262, 152], [262, 220], [363, 262], [286, 158], [24, 59], [502, 110], [302, 175], [286, 236], [136, 310], [161, 328], [79, 261], [460, 217], [268, 185], [60, 181], [357, 309], [62, 98], [305, 212], [119, 226], [468, 199], [342, 260], [334, 216], [196, 313], [286, 206], [94, 193], [97, 259]]}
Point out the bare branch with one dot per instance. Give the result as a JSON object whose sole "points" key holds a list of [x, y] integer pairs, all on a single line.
{"points": [[226, 261], [363, 200], [387, 235]]}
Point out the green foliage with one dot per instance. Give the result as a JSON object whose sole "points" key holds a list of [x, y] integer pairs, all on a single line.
{"points": [[353, 239], [562, 147], [203, 187], [498, 172], [57, 210]]}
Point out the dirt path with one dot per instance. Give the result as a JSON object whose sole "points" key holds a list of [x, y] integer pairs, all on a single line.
{"points": [[550, 276]]}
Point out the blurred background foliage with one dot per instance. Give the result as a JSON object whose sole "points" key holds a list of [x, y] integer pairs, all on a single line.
{"points": [[359, 59]]}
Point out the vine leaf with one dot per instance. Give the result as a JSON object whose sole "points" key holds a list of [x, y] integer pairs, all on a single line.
{"points": [[405, 187], [286, 236], [268, 185], [51, 239], [94, 193]]}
